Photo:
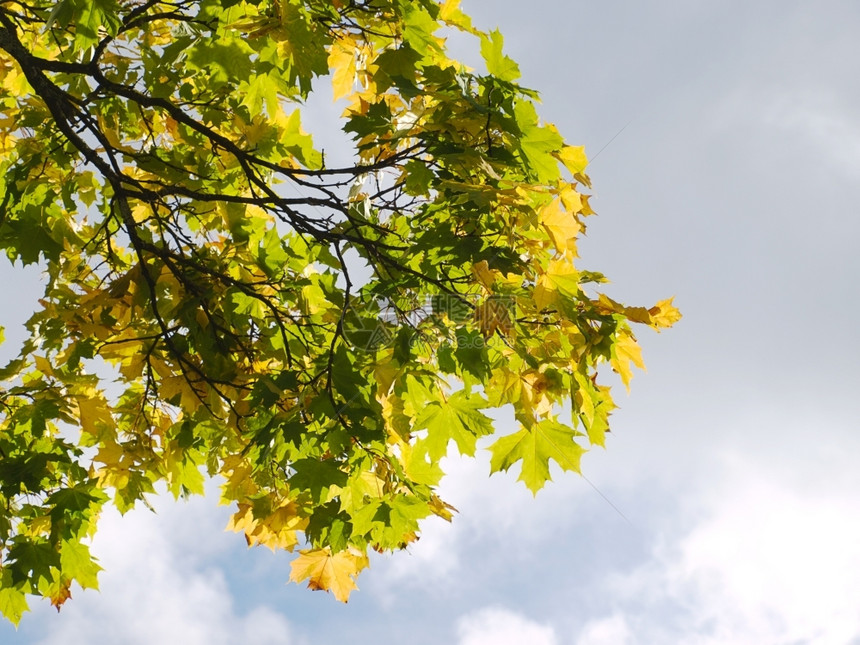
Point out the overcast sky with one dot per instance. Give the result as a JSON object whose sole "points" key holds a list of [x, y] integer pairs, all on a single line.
{"points": [[728, 508]]}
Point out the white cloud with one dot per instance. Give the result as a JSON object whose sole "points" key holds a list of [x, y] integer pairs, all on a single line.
{"points": [[823, 125], [497, 626], [773, 559], [436, 558], [159, 586], [433, 558], [612, 630], [491, 509]]}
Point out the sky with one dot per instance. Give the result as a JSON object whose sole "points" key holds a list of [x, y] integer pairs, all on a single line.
{"points": [[725, 147]]}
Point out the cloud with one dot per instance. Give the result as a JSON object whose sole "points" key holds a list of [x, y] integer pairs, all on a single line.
{"points": [[497, 626], [823, 125], [612, 630], [487, 508], [490, 510], [434, 558], [159, 586], [772, 559]]}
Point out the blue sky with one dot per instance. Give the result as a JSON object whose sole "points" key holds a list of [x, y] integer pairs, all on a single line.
{"points": [[734, 494]]}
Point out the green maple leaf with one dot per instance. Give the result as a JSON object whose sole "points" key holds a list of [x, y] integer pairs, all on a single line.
{"points": [[317, 476], [459, 418], [32, 559], [418, 28], [538, 142], [77, 563], [75, 499], [96, 14], [535, 446], [400, 517], [13, 600], [196, 240], [499, 65]]}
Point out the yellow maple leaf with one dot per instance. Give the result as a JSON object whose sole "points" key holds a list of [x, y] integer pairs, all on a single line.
{"points": [[545, 293], [329, 572], [44, 365], [141, 212], [189, 397], [586, 208], [560, 278], [94, 413], [341, 60], [384, 373], [277, 530], [397, 424], [582, 399], [61, 593], [570, 198], [115, 472], [442, 508], [484, 274], [255, 131], [534, 393], [634, 314], [494, 314], [505, 386], [111, 131], [664, 314], [238, 483], [451, 13], [573, 158], [561, 226], [625, 351], [110, 454]]}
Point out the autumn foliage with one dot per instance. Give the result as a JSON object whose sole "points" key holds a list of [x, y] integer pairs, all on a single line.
{"points": [[220, 302]]}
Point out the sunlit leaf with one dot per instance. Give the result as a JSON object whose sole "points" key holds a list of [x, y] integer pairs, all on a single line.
{"points": [[315, 328], [330, 572]]}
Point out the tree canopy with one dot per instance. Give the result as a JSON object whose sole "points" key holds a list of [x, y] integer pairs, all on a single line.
{"points": [[220, 301]]}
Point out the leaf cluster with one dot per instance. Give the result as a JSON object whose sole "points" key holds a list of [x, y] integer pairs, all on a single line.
{"points": [[220, 302]]}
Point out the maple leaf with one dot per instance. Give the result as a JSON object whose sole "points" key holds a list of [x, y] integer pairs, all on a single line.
{"points": [[77, 563], [209, 256], [572, 200], [329, 572], [560, 279], [625, 350], [534, 447], [664, 314], [13, 600], [178, 387], [635, 314], [494, 314], [94, 413], [498, 64], [561, 226], [341, 59], [61, 595], [459, 419], [573, 158], [484, 274], [451, 14], [592, 405]]}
